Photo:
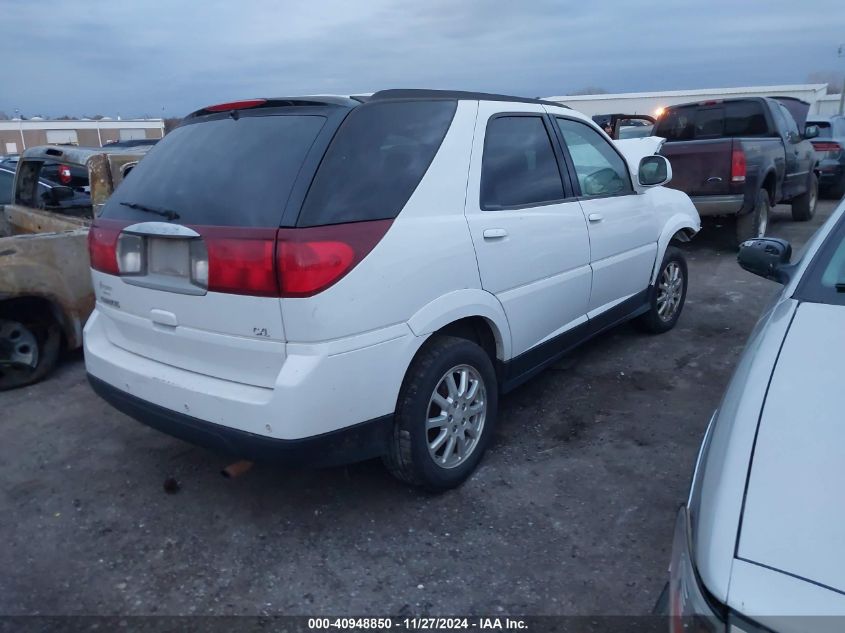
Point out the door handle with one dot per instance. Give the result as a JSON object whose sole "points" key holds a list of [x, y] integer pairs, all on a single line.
{"points": [[492, 234], [595, 217]]}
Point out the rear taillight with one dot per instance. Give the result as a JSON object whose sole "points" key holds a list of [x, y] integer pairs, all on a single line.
{"points": [[240, 261], [102, 246], [824, 146], [738, 165], [312, 259], [294, 262], [64, 174]]}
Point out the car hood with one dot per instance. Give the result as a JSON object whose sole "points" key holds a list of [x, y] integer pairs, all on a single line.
{"points": [[794, 512]]}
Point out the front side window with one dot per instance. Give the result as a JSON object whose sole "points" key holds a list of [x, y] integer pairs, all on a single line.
{"points": [[600, 169], [791, 126], [519, 166]]}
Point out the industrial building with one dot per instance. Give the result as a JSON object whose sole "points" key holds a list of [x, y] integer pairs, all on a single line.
{"points": [[652, 103], [16, 135]]}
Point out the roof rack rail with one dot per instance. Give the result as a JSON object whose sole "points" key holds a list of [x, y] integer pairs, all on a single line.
{"points": [[416, 93]]}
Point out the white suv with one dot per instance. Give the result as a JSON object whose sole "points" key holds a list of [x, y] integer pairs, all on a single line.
{"points": [[321, 279]]}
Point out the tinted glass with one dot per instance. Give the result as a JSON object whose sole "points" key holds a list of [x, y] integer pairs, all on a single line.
{"points": [[600, 169], [745, 118], [224, 172], [791, 126], [826, 272], [729, 119], [519, 165], [825, 129], [6, 180], [376, 161]]}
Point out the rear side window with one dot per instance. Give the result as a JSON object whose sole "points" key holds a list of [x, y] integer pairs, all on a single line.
{"points": [[519, 165], [728, 119], [376, 160], [220, 172]]}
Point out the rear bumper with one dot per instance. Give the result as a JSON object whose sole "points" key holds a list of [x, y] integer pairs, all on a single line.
{"points": [[354, 443], [830, 173], [718, 205]]}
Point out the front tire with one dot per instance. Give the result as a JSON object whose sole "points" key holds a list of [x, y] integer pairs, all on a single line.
{"points": [[667, 295], [445, 414], [754, 224], [804, 206]]}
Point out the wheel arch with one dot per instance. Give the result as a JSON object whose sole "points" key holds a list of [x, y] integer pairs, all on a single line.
{"points": [[679, 228], [35, 305], [463, 312]]}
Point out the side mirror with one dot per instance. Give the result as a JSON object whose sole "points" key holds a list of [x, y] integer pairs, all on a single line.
{"points": [[766, 256], [811, 131], [54, 195], [654, 170]]}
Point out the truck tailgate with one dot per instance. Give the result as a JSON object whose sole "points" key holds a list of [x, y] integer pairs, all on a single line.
{"points": [[700, 167]]}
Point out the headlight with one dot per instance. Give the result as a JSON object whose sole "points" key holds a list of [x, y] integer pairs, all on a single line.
{"points": [[690, 610]]}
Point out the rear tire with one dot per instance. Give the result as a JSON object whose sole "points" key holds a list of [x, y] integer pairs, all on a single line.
{"points": [[667, 295], [754, 224], [437, 447], [804, 206], [16, 341]]}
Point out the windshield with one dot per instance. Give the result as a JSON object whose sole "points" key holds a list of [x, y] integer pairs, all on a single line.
{"points": [[219, 172], [824, 281]]}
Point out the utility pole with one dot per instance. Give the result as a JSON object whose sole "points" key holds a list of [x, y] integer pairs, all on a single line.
{"points": [[841, 53]]}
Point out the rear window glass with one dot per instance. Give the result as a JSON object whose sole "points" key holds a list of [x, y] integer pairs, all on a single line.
{"points": [[223, 172], [376, 161], [728, 119]]}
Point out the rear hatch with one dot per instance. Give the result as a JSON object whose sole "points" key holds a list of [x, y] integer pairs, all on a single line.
{"points": [[184, 251], [701, 139]]}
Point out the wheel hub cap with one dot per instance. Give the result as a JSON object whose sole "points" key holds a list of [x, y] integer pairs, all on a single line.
{"points": [[18, 345], [670, 290], [456, 413]]}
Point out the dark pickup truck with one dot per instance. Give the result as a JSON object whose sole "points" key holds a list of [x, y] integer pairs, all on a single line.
{"points": [[740, 157]]}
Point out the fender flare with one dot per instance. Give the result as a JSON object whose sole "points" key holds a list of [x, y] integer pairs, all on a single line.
{"points": [[677, 222], [462, 304]]}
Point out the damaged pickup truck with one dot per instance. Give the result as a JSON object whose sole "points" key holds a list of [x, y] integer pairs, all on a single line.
{"points": [[45, 281]]}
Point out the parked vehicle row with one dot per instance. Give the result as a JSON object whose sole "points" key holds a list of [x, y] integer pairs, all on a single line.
{"points": [[830, 148], [45, 281], [371, 290], [739, 158]]}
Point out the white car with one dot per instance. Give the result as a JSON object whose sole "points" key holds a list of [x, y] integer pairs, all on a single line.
{"points": [[325, 279], [759, 545]]}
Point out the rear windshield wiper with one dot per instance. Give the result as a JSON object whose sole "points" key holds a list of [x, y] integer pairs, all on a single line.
{"points": [[165, 213]]}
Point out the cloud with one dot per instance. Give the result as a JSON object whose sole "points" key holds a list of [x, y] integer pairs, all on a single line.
{"points": [[134, 58]]}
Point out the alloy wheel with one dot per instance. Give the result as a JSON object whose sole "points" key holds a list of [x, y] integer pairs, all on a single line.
{"points": [[455, 417]]}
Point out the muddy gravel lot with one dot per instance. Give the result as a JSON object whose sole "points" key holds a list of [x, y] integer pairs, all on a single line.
{"points": [[571, 511]]}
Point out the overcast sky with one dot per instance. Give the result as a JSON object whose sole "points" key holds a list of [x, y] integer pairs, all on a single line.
{"points": [[169, 57]]}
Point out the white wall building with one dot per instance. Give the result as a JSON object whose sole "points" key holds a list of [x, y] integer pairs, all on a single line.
{"points": [[651, 102], [16, 135]]}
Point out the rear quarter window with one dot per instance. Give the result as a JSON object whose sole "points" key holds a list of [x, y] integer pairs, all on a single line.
{"points": [[376, 160]]}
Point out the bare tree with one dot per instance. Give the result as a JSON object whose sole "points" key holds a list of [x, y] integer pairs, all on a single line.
{"points": [[589, 90], [833, 79], [170, 123], [4, 116]]}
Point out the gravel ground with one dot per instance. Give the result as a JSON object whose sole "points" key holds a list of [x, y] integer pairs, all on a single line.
{"points": [[571, 511]]}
